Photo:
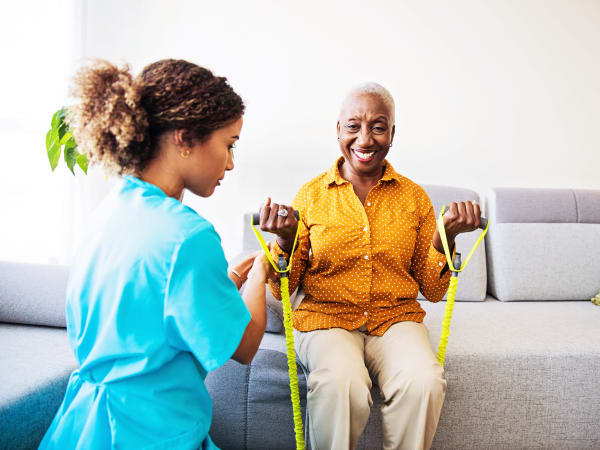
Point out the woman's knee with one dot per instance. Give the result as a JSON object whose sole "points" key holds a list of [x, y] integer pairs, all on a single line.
{"points": [[338, 383], [416, 383]]}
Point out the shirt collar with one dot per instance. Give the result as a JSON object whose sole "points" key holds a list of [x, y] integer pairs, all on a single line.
{"points": [[333, 175], [134, 181]]}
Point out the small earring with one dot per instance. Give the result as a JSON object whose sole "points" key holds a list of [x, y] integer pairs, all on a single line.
{"points": [[390, 144], [185, 154]]}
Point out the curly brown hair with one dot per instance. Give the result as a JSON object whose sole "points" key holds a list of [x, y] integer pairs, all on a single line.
{"points": [[119, 119]]}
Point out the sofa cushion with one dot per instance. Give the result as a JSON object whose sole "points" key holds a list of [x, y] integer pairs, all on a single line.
{"points": [[252, 408], [33, 294], [525, 205], [472, 284], [542, 261], [36, 363], [542, 244], [520, 375]]}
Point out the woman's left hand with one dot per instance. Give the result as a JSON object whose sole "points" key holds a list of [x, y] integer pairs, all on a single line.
{"points": [[461, 217]]}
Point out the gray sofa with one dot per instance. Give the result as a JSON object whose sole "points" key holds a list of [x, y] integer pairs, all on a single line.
{"points": [[522, 365]]}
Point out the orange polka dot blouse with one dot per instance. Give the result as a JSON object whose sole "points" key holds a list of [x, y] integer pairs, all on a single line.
{"points": [[363, 264]]}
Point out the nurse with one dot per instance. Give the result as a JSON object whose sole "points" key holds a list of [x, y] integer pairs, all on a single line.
{"points": [[151, 307]]}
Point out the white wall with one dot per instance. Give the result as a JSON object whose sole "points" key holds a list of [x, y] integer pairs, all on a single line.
{"points": [[488, 93], [38, 46]]}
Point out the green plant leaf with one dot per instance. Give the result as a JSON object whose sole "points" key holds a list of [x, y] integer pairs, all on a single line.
{"points": [[54, 155], [56, 119], [82, 162], [63, 129], [68, 136], [70, 155], [49, 139], [58, 136], [53, 148]]}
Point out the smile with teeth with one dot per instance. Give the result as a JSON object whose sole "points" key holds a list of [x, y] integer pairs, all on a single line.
{"points": [[364, 155]]}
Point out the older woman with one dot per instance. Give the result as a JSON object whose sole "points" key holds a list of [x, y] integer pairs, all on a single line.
{"points": [[367, 244]]}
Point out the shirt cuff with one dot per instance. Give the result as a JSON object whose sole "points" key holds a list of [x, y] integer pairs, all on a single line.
{"points": [[276, 250], [439, 259]]}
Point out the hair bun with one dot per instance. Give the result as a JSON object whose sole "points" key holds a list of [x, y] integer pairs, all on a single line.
{"points": [[109, 122]]}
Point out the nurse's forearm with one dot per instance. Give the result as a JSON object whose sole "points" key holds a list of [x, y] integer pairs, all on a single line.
{"points": [[255, 299]]}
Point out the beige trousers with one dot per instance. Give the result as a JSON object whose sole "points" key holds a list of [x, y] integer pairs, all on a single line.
{"points": [[342, 364]]}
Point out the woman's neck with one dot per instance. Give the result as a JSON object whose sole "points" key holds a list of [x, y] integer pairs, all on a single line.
{"points": [[159, 173], [364, 180]]}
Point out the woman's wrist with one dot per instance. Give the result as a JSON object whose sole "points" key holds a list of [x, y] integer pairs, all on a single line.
{"points": [[437, 241], [285, 245], [237, 278], [259, 275]]}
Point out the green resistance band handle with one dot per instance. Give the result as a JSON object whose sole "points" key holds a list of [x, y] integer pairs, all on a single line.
{"points": [[482, 220], [256, 217]]}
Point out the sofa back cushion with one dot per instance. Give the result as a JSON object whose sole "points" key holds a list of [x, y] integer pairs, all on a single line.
{"points": [[472, 282], [543, 244], [33, 293]]}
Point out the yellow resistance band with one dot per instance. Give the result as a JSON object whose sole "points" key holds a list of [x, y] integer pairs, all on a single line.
{"points": [[453, 284], [289, 335]]}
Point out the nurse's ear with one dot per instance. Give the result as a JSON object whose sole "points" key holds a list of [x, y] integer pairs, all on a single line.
{"points": [[182, 142]]}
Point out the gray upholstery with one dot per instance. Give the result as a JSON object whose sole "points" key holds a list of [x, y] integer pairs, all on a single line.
{"points": [[543, 261], [512, 382], [473, 280], [259, 405], [588, 205], [543, 244], [35, 364], [33, 294], [249, 241], [521, 375], [521, 205]]}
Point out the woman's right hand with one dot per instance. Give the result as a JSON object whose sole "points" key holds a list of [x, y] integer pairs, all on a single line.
{"points": [[283, 226]]}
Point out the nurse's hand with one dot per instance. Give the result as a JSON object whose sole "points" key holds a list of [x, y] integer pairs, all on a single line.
{"points": [[284, 226], [239, 272], [261, 269]]}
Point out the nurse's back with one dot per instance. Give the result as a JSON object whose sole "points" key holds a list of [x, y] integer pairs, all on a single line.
{"points": [[116, 314]]}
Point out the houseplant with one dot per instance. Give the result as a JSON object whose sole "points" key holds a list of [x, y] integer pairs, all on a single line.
{"points": [[59, 139]]}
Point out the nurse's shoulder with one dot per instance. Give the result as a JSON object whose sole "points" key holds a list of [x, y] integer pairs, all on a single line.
{"points": [[164, 213]]}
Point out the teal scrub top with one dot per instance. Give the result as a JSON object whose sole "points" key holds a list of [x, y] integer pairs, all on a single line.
{"points": [[150, 310]]}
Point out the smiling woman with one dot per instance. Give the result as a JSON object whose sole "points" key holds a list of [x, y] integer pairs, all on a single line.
{"points": [[366, 245], [365, 131]]}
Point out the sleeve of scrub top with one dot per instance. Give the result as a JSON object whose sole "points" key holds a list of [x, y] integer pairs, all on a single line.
{"points": [[204, 312]]}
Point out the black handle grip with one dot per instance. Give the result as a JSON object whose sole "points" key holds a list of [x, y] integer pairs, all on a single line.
{"points": [[256, 217], [482, 220]]}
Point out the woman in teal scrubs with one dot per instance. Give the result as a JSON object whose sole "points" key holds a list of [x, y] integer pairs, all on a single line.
{"points": [[151, 307]]}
